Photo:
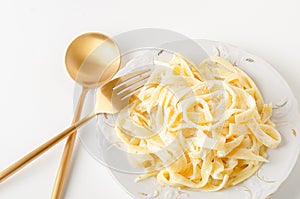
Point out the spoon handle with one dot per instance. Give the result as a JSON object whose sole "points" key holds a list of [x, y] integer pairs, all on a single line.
{"points": [[67, 153], [43, 148]]}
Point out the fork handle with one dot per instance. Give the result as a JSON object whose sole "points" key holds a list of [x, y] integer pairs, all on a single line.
{"points": [[43, 148]]}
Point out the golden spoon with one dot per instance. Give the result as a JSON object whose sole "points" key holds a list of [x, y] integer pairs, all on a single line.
{"points": [[89, 62]]}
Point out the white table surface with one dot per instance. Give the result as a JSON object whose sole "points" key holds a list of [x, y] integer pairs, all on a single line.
{"points": [[36, 91]]}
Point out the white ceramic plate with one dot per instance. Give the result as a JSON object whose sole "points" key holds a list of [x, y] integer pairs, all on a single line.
{"points": [[260, 186]]}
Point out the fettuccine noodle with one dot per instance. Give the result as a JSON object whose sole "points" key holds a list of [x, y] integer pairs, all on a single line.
{"points": [[205, 128]]}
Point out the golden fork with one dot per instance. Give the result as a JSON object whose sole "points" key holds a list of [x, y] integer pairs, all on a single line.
{"points": [[111, 98]]}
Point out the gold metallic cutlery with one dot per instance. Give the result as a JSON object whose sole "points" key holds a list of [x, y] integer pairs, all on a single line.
{"points": [[91, 60], [111, 98]]}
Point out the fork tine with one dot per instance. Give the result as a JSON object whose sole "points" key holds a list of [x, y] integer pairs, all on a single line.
{"points": [[129, 92], [125, 78], [126, 85]]}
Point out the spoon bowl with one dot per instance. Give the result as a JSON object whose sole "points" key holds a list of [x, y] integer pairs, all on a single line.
{"points": [[92, 59]]}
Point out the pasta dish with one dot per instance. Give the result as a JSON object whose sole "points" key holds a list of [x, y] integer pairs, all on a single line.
{"points": [[204, 128]]}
